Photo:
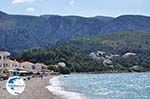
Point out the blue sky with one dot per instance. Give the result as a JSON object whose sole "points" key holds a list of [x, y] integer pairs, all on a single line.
{"points": [[86, 8]]}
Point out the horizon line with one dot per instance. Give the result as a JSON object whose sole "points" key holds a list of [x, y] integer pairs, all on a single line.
{"points": [[48, 14]]}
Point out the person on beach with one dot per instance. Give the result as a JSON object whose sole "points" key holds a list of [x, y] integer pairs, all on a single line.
{"points": [[41, 76]]}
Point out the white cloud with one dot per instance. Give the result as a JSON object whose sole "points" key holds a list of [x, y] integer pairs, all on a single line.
{"points": [[71, 2], [30, 9], [21, 1]]}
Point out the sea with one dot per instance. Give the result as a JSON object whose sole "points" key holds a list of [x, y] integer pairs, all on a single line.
{"points": [[102, 86]]}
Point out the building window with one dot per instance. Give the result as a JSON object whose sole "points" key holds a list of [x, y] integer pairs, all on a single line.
{"points": [[33, 67]]}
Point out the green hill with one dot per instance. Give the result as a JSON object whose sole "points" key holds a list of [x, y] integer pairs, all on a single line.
{"points": [[76, 53], [138, 42]]}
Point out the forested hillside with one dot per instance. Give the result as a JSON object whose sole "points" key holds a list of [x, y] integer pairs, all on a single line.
{"points": [[20, 32], [126, 51]]}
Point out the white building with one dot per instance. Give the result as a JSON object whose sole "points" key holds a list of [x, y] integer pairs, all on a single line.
{"points": [[129, 54], [10, 67], [39, 67], [35, 68], [4, 57], [27, 65], [7, 65], [61, 64]]}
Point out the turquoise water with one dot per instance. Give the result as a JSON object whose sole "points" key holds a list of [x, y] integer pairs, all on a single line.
{"points": [[108, 86]]}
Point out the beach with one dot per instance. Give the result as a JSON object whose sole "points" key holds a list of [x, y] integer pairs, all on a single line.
{"points": [[35, 89]]}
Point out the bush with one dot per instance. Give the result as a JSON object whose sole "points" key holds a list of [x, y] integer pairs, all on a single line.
{"points": [[64, 70], [52, 67]]}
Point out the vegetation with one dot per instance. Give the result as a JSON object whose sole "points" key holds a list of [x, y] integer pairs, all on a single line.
{"points": [[75, 53], [20, 33], [75, 61]]}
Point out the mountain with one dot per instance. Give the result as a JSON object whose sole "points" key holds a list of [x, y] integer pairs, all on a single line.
{"points": [[2, 13], [127, 23], [22, 32], [106, 18], [18, 32]]}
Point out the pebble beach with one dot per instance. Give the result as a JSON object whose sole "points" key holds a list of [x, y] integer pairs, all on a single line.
{"points": [[35, 89]]}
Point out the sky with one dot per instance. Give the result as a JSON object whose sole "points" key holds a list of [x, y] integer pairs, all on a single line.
{"points": [[87, 8]]}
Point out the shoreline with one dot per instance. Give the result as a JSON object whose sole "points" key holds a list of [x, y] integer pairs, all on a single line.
{"points": [[35, 89], [56, 88], [107, 72], [38, 88]]}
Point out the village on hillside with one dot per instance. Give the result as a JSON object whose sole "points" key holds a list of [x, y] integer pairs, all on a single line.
{"points": [[108, 60]]}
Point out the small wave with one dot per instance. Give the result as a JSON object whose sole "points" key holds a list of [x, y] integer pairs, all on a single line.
{"points": [[56, 89]]}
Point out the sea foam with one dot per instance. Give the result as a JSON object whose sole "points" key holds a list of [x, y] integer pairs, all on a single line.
{"points": [[56, 88]]}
